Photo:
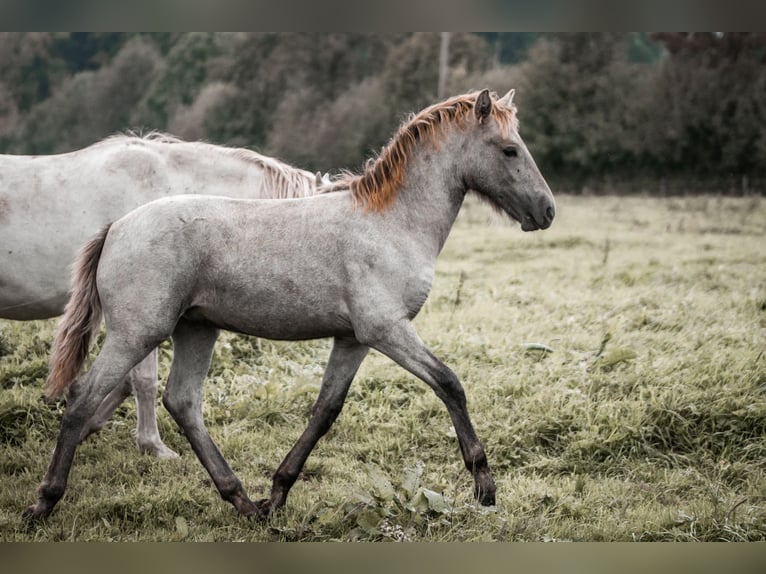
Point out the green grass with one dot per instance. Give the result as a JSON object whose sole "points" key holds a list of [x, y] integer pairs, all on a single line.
{"points": [[647, 421]]}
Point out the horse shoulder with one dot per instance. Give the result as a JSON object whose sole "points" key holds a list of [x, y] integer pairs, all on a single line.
{"points": [[388, 280]]}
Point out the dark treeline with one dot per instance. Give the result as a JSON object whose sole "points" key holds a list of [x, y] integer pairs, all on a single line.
{"points": [[661, 113]]}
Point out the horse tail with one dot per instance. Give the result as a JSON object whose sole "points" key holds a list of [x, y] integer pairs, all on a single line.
{"points": [[81, 320]]}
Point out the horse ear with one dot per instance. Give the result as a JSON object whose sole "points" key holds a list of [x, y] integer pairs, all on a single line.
{"points": [[483, 105], [507, 99], [319, 178]]}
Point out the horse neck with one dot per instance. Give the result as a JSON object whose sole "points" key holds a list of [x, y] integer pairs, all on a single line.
{"points": [[432, 193]]}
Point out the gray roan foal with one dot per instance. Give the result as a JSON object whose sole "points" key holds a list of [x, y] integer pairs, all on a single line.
{"points": [[355, 264], [51, 205]]}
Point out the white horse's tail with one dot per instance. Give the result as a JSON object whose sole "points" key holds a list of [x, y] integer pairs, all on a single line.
{"points": [[81, 320]]}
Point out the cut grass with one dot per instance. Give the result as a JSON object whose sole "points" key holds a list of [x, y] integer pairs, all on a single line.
{"points": [[647, 421]]}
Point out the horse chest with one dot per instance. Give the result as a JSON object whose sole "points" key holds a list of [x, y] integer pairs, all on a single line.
{"points": [[416, 291]]}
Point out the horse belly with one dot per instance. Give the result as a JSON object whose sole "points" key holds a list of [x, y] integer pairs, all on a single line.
{"points": [[277, 308], [286, 322], [25, 302], [34, 276], [49, 207]]}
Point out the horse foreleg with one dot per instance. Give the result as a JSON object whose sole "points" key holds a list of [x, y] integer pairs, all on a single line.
{"points": [[345, 358], [192, 351], [402, 344], [108, 371]]}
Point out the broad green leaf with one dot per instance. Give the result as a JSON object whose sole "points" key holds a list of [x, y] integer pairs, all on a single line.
{"points": [[411, 479], [436, 502], [327, 517], [420, 503], [381, 486], [364, 497], [369, 520]]}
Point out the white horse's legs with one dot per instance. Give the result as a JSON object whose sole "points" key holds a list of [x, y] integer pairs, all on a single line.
{"points": [[142, 380], [145, 383]]}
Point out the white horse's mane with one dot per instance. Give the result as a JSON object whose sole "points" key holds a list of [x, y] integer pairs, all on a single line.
{"points": [[283, 180]]}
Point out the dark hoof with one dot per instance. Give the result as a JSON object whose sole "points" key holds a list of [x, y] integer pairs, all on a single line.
{"points": [[255, 511], [485, 497], [264, 508], [246, 507], [34, 514]]}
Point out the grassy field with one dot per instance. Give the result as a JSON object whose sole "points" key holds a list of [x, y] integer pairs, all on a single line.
{"points": [[646, 422]]}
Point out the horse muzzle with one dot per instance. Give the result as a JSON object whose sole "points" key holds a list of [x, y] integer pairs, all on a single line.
{"points": [[533, 222]]}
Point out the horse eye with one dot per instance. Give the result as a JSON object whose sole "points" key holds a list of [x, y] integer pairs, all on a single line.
{"points": [[510, 151]]}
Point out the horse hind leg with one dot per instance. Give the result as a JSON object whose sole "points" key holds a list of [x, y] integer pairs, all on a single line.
{"points": [[144, 378], [105, 375], [142, 382], [192, 351], [105, 410]]}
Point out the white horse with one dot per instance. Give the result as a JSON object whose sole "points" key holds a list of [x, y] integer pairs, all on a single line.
{"points": [[51, 205]]}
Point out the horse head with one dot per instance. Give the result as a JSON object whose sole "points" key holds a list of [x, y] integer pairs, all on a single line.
{"points": [[500, 167]]}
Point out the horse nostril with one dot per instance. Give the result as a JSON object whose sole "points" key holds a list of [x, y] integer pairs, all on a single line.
{"points": [[549, 213]]}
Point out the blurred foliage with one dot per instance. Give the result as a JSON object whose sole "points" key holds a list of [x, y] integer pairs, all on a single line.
{"points": [[710, 95], [593, 106], [580, 95]]}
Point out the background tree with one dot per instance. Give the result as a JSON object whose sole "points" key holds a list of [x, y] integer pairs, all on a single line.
{"points": [[192, 61], [709, 104], [583, 103], [282, 78], [91, 104], [410, 74], [28, 67], [510, 47]]}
